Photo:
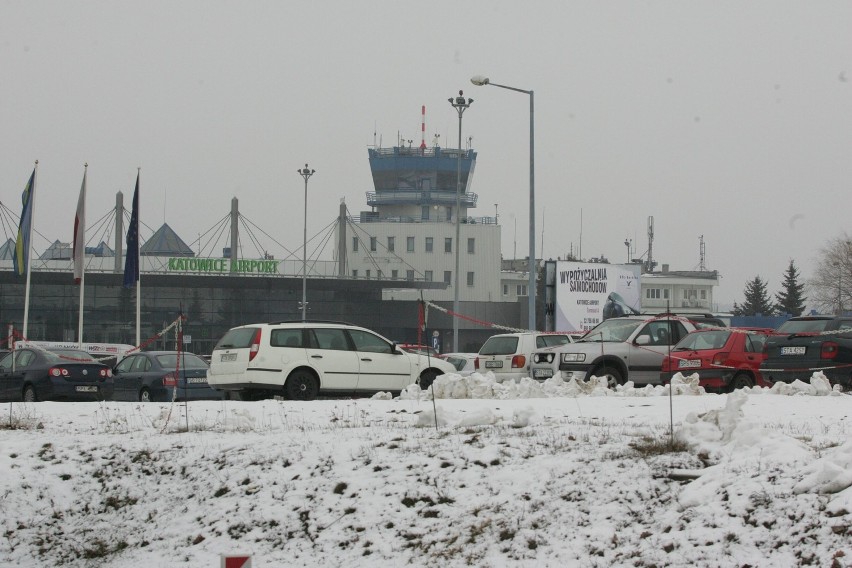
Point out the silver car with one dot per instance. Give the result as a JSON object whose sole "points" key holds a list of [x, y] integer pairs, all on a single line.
{"points": [[620, 349]]}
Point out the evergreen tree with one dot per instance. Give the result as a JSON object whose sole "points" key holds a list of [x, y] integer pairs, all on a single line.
{"points": [[757, 299], [790, 299]]}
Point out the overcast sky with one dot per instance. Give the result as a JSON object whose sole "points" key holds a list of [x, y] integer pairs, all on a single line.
{"points": [[731, 120]]}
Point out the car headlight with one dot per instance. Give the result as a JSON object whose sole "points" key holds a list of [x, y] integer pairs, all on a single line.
{"points": [[573, 357], [544, 357]]}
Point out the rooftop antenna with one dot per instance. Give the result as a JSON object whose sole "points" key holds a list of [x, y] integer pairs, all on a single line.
{"points": [[580, 244], [423, 127], [649, 267], [435, 140], [701, 265]]}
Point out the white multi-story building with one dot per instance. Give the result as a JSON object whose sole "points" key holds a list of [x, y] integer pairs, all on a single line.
{"points": [[410, 233]]}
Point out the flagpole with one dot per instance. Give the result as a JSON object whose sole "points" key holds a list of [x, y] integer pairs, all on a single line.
{"points": [[27, 252], [81, 251], [139, 270]]}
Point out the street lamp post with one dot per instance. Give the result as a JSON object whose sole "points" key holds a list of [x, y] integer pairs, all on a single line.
{"points": [[305, 173], [479, 80], [460, 104]]}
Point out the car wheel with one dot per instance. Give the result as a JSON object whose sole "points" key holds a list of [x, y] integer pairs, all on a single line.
{"points": [[144, 395], [301, 385], [613, 376], [741, 380], [30, 394], [426, 379]]}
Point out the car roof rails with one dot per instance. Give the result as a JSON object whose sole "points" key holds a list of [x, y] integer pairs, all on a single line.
{"points": [[313, 321]]}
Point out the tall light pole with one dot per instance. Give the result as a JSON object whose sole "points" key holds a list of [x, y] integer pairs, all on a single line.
{"points": [[305, 173], [460, 104], [479, 80]]}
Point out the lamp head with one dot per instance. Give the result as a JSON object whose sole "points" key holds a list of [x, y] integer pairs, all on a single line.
{"points": [[479, 80]]}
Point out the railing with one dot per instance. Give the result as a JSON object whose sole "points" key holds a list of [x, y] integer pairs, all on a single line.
{"points": [[414, 196], [435, 152], [410, 219]]}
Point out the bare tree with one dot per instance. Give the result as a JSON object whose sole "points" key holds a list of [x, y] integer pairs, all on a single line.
{"points": [[831, 285]]}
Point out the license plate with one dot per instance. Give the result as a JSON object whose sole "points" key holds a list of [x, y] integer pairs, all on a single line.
{"points": [[493, 364], [542, 373], [688, 363], [795, 350], [196, 380], [86, 388], [228, 357]]}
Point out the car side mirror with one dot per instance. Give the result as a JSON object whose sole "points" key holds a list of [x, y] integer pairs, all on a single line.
{"points": [[642, 340]]}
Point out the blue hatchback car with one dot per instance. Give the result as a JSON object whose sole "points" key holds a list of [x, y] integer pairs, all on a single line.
{"points": [[163, 376]]}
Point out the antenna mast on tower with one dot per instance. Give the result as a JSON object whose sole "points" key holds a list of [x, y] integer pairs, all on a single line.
{"points": [[649, 266], [701, 265], [423, 127]]}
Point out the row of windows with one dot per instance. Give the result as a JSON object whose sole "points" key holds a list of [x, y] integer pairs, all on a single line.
{"points": [[520, 290], [663, 293], [429, 245], [428, 276]]}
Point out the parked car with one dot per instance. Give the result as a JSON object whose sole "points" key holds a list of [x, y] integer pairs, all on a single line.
{"points": [[803, 345], [620, 349], [725, 359], [162, 376], [420, 348], [508, 355], [301, 359], [463, 362], [59, 374]]}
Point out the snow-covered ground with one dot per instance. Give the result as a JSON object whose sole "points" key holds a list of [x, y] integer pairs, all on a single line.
{"points": [[513, 475]]}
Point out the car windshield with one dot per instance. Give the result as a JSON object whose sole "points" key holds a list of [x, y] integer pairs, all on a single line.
{"points": [[543, 341], [500, 345], [612, 330], [187, 361], [703, 340], [804, 326]]}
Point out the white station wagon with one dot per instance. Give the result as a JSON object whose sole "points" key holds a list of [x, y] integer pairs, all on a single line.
{"points": [[301, 359]]}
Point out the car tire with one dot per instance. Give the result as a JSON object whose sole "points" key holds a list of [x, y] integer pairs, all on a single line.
{"points": [[740, 380], [30, 394], [301, 385], [426, 378], [145, 395], [613, 376]]}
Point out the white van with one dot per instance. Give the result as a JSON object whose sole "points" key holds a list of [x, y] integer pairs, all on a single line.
{"points": [[507, 355]]}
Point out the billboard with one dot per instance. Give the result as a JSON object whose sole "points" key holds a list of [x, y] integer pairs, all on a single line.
{"points": [[588, 293]]}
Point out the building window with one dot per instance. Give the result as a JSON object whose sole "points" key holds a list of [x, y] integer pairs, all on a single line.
{"points": [[448, 244], [448, 276], [665, 293], [409, 275], [394, 274], [521, 290], [368, 274], [379, 275], [354, 274], [424, 213], [373, 241], [703, 294], [652, 293], [391, 244], [470, 278], [428, 276], [429, 244], [354, 244], [505, 289], [409, 244], [471, 246]]}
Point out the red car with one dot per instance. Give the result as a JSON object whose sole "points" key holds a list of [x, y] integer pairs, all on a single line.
{"points": [[725, 359]]}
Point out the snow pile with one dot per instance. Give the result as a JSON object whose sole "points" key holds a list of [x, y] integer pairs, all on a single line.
{"points": [[484, 386]]}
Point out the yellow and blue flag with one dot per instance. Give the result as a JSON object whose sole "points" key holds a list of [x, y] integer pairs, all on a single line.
{"points": [[22, 246]]}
